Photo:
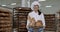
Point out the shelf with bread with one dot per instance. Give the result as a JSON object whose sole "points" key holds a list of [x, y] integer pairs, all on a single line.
{"points": [[5, 20], [50, 22], [20, 15]]}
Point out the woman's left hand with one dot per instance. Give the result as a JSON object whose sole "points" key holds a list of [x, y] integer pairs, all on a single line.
{"points": [[43, 27]]}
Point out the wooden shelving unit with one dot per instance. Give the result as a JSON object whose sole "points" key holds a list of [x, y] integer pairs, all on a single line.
{"points": [[50, 22], [20, 18], [5, 20]]}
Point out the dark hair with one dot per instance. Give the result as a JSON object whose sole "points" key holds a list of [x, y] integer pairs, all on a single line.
{"points": [[39, 12]]}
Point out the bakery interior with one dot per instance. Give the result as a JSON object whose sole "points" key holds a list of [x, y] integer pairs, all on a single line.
{"points": [[13, 15]]}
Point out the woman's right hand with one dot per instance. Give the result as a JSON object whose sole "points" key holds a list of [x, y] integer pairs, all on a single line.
{"points": [[32, 23], [33, 20]]}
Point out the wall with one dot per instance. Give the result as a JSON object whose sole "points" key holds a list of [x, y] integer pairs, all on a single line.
{"points": [[52, 10]]}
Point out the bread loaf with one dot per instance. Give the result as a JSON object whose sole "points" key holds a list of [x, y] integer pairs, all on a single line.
{"points": [[39, 23], [35, 24]]}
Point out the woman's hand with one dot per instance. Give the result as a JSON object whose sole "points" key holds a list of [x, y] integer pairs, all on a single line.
{"points": [[32, 22], [43, 27]]}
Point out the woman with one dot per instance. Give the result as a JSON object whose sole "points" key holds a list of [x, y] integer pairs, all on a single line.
{"points": [[35, 15]]}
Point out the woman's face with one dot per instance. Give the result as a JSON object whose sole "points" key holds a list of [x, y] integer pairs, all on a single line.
{"points": [[36, 7]]}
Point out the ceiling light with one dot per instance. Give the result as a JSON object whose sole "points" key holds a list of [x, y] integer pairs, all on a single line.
{"points": [[3, 5], [41, 0], [13, 4], [48, 6]]}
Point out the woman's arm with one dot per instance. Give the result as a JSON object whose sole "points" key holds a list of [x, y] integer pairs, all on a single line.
{"points": [[28, 21], [43, 20]]}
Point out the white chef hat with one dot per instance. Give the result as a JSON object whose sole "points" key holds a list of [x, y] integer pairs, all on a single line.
{"points": [[35, 3]]}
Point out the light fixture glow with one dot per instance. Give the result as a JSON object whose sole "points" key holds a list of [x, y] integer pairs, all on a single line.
{"points": [[41, 0], [48, 6], [13, 4], [3, 5]]}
